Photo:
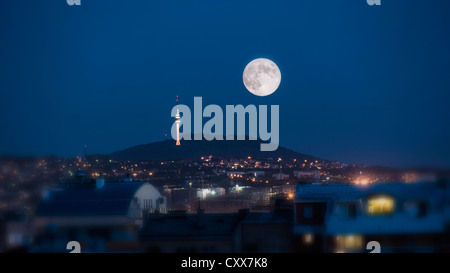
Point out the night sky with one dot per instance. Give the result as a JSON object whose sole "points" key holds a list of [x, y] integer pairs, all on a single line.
{"points": [[361, 84]]}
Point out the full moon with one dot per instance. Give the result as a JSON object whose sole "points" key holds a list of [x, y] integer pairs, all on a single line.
{"points": [[262, 77]]}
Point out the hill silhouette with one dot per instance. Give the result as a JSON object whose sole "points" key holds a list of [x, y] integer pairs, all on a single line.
{"points": [[194, 149]]}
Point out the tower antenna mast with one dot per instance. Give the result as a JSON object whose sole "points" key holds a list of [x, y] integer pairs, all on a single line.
{"points": [[178, 121]]}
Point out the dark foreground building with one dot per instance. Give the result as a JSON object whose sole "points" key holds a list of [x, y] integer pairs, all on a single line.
{"points": [[244, 231], [102, 217], [345, 218]]}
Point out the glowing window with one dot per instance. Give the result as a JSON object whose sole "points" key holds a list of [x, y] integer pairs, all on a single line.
{"points": [[349, 241], [380, 205], [308, 238]]}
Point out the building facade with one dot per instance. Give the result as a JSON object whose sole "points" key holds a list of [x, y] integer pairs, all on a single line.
{"points": [[102, 217], [345, 218]]}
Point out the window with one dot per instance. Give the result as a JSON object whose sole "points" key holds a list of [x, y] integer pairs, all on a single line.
{"points": [[351, 210], [308, 238], [310, 213], [380, 205], [416, 209], [346, 210], [349, 241], [14, 239], [307, 212]]}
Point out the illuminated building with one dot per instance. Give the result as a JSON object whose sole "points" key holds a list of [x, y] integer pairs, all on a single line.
{"points": [[257, 173], [209, 192], [304, 174], [345, 217], [280, 176], [177, 121], [235, 174]]}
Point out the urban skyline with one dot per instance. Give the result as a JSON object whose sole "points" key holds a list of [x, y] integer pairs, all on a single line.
{"points": [[240, 128], [355, 88]]}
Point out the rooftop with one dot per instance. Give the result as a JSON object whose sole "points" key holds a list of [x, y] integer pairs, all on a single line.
{"points": [[178, 224], [86, 200], [397, 189]]}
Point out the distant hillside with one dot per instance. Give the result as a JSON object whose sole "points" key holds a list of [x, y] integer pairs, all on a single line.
{"points": [[193, 149]]}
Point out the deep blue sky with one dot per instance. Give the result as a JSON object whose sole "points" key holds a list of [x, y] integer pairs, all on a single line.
{"points": [[363, 84]]}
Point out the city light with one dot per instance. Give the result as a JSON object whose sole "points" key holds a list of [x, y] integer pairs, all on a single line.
{"points": [[100, 155], [308, 238], [361, 181], [380, 205]]}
